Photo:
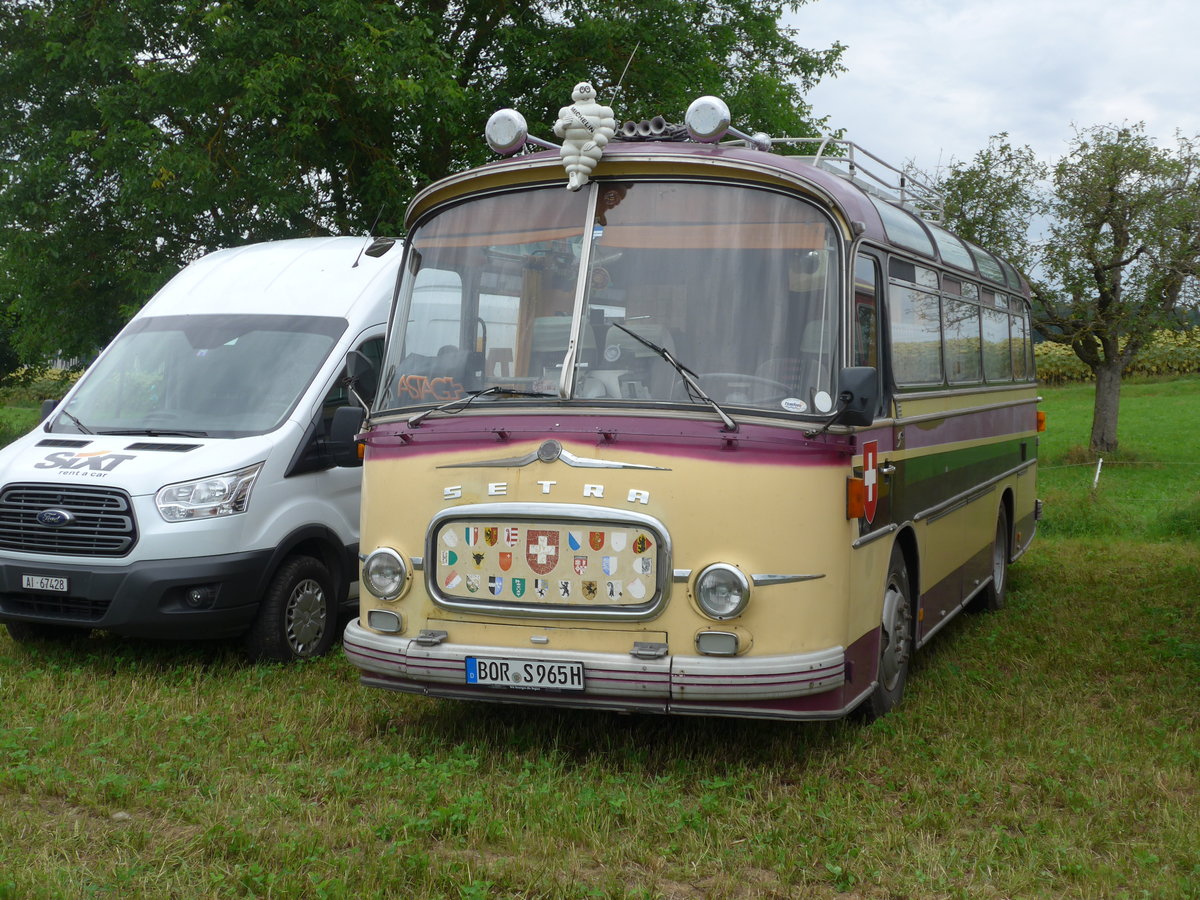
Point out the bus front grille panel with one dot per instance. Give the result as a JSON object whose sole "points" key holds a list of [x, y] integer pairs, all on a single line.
{"points": [[512, 560], [92, 521]]}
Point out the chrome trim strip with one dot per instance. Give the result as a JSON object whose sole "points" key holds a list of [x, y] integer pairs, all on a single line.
{"points": [[764, 580], [875, 535], [566, 513], [565, 456], [970, 494], [681, 574], [964, 390]]}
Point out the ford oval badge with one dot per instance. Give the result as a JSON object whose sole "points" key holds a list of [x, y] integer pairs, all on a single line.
{"points": [[55, 518]]}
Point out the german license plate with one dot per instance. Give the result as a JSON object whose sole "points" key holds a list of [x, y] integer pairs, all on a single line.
{"points": [[525, 673], [45, 583]]}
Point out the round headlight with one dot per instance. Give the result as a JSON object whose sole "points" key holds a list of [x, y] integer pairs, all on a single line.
{"points": [[722, 591], [385, 573]]}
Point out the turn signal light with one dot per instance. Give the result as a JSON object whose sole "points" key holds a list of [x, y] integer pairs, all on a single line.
{"points": [[1041, 421], [856, 498]]}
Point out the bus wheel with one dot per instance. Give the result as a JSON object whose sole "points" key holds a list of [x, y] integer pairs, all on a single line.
{"points": [[33, 632], [297, 618], [896, 640], [992, 597]]}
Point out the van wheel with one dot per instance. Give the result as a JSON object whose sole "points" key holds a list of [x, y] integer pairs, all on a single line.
{"points": [[297, 618], [896, 640], [34, 632], [993, 597]]}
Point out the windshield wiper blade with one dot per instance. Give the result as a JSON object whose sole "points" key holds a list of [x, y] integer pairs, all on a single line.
{"points": [[458, 404], [690, 379], [155, 432], [74, 421]]}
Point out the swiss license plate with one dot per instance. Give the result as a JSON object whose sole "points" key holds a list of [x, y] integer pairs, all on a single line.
{"points": [[45, 583], [525, 673]]}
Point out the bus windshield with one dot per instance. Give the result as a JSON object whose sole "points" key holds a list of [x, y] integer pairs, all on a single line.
{"points": [[577, 295]]}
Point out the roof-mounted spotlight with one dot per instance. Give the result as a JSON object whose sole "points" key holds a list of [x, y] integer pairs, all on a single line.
{"points": [[507, 132], [708, 120]]}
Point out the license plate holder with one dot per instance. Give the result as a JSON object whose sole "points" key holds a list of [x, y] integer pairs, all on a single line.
{"points": [[524, 674], [54, 584]]}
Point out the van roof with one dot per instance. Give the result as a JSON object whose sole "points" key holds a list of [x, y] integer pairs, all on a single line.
{"points": [[305, 276]]}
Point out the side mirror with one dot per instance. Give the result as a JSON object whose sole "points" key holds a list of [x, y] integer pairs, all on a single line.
{"points": [[858, 395], [347, 422], [48, 406], [361, 378]]}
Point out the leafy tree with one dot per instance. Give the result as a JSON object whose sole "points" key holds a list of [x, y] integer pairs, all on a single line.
{"points": [[137, 134], [1112, 242]]}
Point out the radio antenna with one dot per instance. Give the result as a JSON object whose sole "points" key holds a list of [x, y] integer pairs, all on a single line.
{"points": [[617, 90], [370, 237]]}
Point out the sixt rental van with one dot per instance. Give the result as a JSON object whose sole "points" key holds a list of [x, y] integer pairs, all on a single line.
{"points": [[187, 487]]}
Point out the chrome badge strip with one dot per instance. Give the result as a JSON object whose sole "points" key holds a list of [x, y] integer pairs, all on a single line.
{"points": [[548, 452]]}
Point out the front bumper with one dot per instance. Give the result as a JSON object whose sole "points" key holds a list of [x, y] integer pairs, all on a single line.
{"points": [[804, 685], [145, 598]]}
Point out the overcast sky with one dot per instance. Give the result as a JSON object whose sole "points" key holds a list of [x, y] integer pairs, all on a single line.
{"points": [[931, 80]]}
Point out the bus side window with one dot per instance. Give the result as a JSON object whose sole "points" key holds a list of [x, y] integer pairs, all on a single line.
{"points": [[866, 312]]}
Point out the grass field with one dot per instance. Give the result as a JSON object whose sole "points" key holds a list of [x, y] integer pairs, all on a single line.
{"points": [[1048, 750]]}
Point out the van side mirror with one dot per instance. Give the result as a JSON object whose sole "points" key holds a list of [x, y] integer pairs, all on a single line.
{"points": [[361, 378], [858, 395], [48, 406], [347, 422]]}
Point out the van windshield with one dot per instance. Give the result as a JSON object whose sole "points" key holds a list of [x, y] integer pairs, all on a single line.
{"points": [[216, 376]]}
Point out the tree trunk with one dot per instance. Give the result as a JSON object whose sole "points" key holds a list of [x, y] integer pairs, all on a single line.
{"points": [[1107, 406]]}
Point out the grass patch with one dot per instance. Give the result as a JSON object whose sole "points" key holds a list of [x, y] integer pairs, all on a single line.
{"points": [[15, 421], [1049, 750]]}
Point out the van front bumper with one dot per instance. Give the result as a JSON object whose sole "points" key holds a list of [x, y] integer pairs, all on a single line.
{"points": [[146, 598], [803, 685]]}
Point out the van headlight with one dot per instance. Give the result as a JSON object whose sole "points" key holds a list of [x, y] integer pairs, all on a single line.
{"points": [[722, 591], [385, 573], [207, 498]]}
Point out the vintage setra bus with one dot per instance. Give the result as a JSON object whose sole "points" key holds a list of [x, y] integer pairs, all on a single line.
{"points": [[724, 425]]}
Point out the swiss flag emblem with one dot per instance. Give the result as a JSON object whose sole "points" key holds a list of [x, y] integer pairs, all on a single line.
{"points": [[870, 479]]}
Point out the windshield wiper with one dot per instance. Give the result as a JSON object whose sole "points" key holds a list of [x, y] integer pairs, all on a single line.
{"points": [[153, 432], [74, 421], [458, 404], [690, 378]]}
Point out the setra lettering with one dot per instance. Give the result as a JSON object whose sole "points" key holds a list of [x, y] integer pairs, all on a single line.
{"points": [[588, 491]]}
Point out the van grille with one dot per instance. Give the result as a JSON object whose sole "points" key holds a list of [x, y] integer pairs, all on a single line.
{"points": [[101, 520]]}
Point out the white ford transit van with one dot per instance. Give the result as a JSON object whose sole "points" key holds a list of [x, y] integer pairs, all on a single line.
{"points": [[186, 487]]}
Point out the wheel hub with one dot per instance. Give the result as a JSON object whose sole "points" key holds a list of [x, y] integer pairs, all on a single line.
{"points": [[306, 615]]}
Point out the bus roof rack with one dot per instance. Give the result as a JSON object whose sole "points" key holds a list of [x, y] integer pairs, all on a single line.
{"points": [[872, 175]]}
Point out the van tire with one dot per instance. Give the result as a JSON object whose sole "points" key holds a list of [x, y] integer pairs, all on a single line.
{"points": [[45, 632], [297, 618]]}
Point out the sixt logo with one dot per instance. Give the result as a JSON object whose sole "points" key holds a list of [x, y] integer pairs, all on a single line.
{"points": [[98, 462]]}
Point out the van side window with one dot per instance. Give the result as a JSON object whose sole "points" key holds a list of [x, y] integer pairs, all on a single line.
{"points": [[338, 396]]}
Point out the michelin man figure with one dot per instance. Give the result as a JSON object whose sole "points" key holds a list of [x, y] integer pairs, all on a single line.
{"points": [[585, 127]]}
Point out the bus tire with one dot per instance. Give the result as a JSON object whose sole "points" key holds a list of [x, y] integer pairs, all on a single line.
{"points": [[297, 618], [992, 597], [897, 640], [44, 632]]}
